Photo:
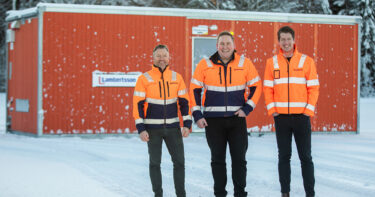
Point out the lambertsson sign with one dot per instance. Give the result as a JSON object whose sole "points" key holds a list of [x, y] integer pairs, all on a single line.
{"points": [[114, 79]]}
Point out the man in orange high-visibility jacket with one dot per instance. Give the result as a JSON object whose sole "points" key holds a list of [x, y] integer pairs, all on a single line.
{"points": [[225, 103], [157, 96], [291, 90]]}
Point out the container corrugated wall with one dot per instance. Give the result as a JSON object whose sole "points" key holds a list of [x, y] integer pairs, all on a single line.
{"points": [[22, 76], [334, 49], [75, 45]]}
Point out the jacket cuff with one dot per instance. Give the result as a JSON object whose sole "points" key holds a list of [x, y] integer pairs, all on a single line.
{"points": [[308, 112], [271, 111], [187, 123], [247, 109], [140, 127], [197, 115]]}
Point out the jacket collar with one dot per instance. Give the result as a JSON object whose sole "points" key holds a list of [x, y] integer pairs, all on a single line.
{"points": [[215, 58], [158, 69]]}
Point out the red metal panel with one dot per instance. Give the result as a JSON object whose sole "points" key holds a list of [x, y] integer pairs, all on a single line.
{"points": [[336, 64], [24, 73], [75, 45]]}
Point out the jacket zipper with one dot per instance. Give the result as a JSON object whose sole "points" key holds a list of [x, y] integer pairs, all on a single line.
{"points": [[160, 88], [287, 62], [165, 101], [168, 88], [230, 75], [220, 74], [226, 94]]}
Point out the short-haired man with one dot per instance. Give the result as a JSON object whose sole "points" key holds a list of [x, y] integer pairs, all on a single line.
{"points": [[157, 96], [225, 103], [291, 90]]}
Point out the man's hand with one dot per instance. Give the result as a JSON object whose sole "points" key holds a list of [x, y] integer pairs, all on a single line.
{"points": [[185, 131], [202, 123], [240, 113], [275, 114], [144, 136]]}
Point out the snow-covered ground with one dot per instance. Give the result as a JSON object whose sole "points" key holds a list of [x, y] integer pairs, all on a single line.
{"points": [[118, 166]]}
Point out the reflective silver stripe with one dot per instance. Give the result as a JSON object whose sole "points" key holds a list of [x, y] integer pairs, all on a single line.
{"points": [[140, 94], [161, 102], [139, 121], [268, 83], [296, 80], [251, 103], [196, 82], [313, 82], [222, 109], [208, 61], [291, 104], [275, 63], [187, 117], [251, 82], [310, 107], [302, 61], [271, 105], [174, 76], [161, 121], [195, 108], [181, 92], [222, 89], [242, 60], [148, 77]]}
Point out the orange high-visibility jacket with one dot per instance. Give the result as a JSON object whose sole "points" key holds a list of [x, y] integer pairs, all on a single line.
{"points": [[224, 87], [156, 98], [291, 87]]}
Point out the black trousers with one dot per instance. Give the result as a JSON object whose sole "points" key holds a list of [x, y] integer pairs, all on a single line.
{"points": [[220, 132], [299, 126], [175, 146]]}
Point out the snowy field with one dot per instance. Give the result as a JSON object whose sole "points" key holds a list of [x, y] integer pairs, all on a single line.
{"points": [[118, 166]]}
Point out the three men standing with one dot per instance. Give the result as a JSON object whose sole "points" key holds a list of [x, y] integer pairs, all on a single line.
{"points": [[291, 89], [225, 103]]}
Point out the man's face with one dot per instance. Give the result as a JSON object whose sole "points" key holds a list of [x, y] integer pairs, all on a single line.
{"points": [[286, 42], [225, 47], [161, 58]]}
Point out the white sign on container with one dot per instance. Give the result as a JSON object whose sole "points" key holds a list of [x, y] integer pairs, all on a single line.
{"points": [[114, 79]]}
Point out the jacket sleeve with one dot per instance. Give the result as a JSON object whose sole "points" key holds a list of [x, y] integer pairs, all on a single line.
{"points": [[195, 91], [312, 83], [139, 98], [253, 82], [183, 102], [268, 87]]}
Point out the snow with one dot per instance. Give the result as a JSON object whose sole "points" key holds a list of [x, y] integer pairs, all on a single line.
{"points": [[115, 166]]}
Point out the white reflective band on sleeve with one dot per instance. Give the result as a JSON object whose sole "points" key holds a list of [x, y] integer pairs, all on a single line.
{"points": [[314, 82], [296, 80], [222, 89], [187, 117], [161, 121], [221, 108], [140, 94], [275, 63], [242, 60], [148, 77], [271, 105], [251, 82], [181, 92], [161, 102], [139, 121], [268, 83], [195, 108], [174, 76], [196, 82], [208, 61], [251, 103], [310, 107], [302, 61]]}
